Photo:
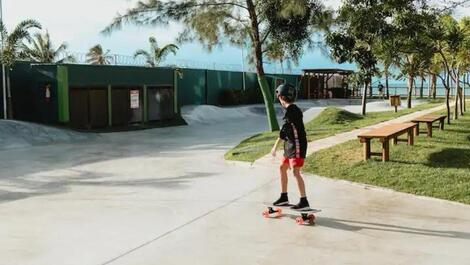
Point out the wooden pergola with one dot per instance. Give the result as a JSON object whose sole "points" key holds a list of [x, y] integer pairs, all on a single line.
{"points": [[324, 75]]}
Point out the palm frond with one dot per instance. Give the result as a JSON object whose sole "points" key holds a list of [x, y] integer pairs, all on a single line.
{"points": [[162, 53], [13, 42], [61, 49], [149, 59], [141, 53]]}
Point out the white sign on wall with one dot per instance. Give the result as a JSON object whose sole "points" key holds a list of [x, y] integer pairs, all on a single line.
{"points": [[135, 102]]}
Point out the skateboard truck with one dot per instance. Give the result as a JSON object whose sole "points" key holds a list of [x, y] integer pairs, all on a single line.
{"points": [[306, 219], [277, 212]]}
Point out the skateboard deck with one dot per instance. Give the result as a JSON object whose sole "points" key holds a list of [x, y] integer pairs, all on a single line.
{"points": [[307, 216]]}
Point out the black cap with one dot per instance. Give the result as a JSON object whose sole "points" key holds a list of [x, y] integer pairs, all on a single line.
{"points": [[287, 90]]}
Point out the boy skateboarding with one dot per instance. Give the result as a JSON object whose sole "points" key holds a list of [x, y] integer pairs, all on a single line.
{"points": [[295, 145]]}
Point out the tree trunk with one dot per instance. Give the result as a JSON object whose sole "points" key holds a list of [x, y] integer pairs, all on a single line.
{"points": [[447, 87], [410, 90], [263, 83], [451, 86], [467, 78], [9, 99], [268, 102], [364, 99], [456, 89], [386, 84], [421, 89], [429, 86], [462, 100], [459, 92], [434, 86], [448, 105]]}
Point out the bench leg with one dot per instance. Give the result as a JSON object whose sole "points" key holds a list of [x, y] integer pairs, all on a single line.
{"points": [[417, 129], [441, 123], [385, 150], [395, 140], [366, 149], [411, 140], [429, 124]]}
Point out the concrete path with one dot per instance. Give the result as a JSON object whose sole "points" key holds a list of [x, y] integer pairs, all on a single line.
{"points": [[166, 196]]}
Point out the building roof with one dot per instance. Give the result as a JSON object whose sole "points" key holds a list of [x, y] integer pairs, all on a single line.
{"points": [[327, 71]]}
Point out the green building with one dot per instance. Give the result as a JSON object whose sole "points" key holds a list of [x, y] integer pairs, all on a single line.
{"points": [[104, 97]]}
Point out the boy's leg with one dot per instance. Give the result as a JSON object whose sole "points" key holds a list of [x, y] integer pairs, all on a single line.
{"points": [[303, 203], [283, 173], [284, 199], [300, 182]]}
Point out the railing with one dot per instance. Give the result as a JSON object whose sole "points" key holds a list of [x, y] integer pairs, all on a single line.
{"points": [[403, 91], [127, 60]]}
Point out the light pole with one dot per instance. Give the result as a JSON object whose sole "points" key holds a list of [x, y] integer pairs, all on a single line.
{"points": [[4, 86]]}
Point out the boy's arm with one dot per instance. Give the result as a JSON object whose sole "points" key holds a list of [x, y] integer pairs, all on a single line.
{"points": [[282, 137], [273, 151]]}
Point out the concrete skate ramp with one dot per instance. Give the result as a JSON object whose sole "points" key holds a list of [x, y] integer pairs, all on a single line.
{"points": [[18, 134], [208, 114]]}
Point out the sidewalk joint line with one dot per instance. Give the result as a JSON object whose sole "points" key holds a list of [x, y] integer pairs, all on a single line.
{"points": [[188, 223]]}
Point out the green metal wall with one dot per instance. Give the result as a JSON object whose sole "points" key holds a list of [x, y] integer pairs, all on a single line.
{"points": [[28, 87], [192, 87], [94, 75], [251, 81], [217, 81], [206, 86]]}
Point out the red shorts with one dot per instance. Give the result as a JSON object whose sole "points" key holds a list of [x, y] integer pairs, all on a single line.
{"points": [[293, 162]]}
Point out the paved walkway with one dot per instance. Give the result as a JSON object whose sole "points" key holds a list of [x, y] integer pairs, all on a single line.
{"points": [[167, 197]]}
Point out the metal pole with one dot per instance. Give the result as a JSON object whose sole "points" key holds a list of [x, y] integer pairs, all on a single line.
{"points": [[4, 86]]}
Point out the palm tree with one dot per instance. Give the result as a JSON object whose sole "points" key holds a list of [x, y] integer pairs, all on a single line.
{"points": [[40, 49], [11, 43], [386, 53], [96, 56], [156, 55], [434, 69]]}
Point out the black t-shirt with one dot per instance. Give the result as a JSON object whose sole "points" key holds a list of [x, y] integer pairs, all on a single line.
{"points": [[293, 133]]}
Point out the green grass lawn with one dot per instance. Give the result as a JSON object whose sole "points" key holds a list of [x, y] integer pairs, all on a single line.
{"points": [[437, 167], [330, 122]]}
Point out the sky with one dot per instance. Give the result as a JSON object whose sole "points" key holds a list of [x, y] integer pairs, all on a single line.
{"points": [[79, 23]]}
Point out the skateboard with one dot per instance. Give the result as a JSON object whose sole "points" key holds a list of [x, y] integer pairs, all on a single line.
{"points": [[307, 217]]}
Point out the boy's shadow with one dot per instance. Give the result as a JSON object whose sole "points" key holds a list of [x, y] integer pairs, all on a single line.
{"points": [[350, 225]]}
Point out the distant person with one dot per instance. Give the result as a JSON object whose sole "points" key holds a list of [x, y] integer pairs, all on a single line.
{"points": [[295, 146], [381, 90]]}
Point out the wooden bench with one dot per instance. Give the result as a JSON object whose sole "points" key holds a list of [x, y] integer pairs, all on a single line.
{"points": [[385, 134], [429, 120]]}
